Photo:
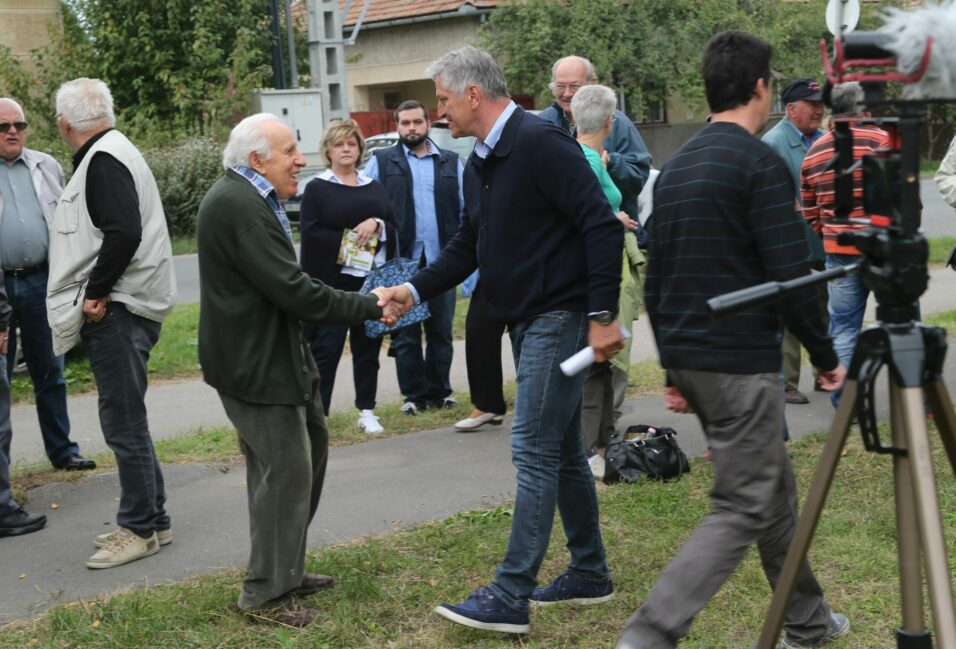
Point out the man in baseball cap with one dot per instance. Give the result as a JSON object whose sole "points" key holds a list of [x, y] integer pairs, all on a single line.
{"points": [[791, 137]]}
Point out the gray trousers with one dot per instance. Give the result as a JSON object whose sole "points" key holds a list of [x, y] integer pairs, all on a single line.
{"points": [[286, 450], [603, 397], [753, 499]]}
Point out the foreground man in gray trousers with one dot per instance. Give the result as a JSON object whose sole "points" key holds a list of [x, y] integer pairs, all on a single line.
{"points": [[724, 220]]}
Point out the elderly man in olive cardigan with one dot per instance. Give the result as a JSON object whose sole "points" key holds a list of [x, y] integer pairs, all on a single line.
{"points": [[254, 296]]}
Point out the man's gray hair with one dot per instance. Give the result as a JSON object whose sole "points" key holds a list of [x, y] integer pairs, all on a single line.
{"points": [[589, 72], [247, 136], [591, 106], [12, 104], [467, 66], [847, 98], [85, 104]]}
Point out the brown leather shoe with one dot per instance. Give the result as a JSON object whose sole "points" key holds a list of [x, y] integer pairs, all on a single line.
{"points": [[288, 614], [312, 583]]}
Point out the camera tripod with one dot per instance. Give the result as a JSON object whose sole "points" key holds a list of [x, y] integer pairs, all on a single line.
{"points": [[914, 355]]}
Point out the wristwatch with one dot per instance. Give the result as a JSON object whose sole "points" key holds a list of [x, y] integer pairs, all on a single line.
{"points": [[602, 317]]}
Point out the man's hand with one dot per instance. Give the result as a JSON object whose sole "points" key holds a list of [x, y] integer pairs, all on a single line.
{"points": [[4, 336], [605, 158], [675, 401], [94, 310], [832, 380], [605, 340], [629, 223], [365, 230], [395, 302]]}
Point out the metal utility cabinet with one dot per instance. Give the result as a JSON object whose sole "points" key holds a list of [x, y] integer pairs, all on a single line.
{"points": [[301, 110]]}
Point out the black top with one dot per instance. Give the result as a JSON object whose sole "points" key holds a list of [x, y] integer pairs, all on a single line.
{"points": [[724, 219], [328, 208], [537, 225], [113, 205]]}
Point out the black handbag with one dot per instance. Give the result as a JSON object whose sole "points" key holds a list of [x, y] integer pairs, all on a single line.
{"points": [[644, 453]]}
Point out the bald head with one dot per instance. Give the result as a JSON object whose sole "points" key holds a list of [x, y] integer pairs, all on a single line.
{"points": [[567, 77]]}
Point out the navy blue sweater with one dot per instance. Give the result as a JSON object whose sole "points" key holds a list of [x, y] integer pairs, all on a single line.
{"points": [[724, 219], [537, 225]]}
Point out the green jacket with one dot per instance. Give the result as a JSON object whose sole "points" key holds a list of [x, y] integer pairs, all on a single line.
{"points": [[253, 297], [784, 139]]}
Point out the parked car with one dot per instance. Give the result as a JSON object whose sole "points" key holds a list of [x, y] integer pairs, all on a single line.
{"points": [[440, 134]]}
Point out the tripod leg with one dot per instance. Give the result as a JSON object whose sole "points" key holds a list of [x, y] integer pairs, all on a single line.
{"points": [[810, 516], [928, 514], [913, 632], [942, 408]]}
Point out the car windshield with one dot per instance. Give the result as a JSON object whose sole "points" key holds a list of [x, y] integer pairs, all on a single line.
{"points": [[441, 135]]}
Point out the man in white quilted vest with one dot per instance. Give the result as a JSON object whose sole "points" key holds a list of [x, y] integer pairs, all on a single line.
{"points": [[111, 285]]}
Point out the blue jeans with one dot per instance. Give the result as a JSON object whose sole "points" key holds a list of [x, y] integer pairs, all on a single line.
{"points": [[847, 305], [424, 378], [7, 503], [548, 451], [118, 347], [27, 296]]}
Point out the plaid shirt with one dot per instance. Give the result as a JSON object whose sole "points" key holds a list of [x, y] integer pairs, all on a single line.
{"points": [[268, 192]]}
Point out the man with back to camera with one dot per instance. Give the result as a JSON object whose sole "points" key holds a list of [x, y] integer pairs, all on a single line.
{"points": [[848, 294], [791, 138], [549, 249], [30, 184], [423, 184], [111, 285], [724, 219]]}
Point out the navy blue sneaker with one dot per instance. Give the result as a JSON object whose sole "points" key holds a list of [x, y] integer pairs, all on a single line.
{"points": [[566, 589], [483, 610]]}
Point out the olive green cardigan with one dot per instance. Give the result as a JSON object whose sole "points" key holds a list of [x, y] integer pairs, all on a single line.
{"points": [[254, 296]]}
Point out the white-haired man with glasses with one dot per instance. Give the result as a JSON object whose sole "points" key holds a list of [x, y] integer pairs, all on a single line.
{"points": [[30, 185]]}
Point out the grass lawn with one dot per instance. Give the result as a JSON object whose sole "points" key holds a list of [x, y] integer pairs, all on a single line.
{"points": [[387, 585]]}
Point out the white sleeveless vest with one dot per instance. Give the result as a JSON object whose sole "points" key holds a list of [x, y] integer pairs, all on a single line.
{"points": [[147, 286]]}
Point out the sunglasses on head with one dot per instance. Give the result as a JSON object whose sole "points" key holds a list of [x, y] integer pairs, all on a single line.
{"points": [[5, 126]]}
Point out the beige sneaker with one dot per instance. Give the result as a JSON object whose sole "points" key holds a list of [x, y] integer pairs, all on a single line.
{"points": [[165, 537], [124, 546]]}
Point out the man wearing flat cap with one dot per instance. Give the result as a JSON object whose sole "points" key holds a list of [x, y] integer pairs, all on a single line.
{"points": [[791, 138]]}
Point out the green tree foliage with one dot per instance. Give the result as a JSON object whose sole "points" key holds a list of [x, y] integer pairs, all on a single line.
{"points": [[648, 48]]}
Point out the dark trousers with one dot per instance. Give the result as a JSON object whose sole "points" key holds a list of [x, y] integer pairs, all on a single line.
{"points": [[286, 450], [27, 296], [753, 500], [7, 503], [118, 347], [327, 342], [483, 357], [423, 375]]}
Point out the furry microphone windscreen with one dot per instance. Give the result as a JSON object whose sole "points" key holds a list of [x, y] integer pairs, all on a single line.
{"points": [[910, 31]]}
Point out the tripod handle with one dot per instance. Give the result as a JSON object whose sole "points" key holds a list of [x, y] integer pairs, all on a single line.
{"points": [[769, 292]]}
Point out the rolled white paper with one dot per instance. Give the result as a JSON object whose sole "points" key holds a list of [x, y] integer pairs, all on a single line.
{"points": [[584, 358]]}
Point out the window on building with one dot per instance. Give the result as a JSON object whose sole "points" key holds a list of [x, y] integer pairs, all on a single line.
{"points": [[392, 98]]}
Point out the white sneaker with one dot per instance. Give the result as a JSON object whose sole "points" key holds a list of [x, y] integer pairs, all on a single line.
{"points": [[124, 546], [165, 537], [597, 466], [369, 422]]}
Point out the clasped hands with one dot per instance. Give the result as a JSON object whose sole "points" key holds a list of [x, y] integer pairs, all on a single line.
{"points": [[395, 302]]}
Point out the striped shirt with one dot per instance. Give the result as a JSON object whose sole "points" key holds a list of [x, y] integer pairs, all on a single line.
{"points": [[724, 219], [817, 191]]}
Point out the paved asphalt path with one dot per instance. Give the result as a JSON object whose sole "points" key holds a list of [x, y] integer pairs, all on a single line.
{"points": [[371, 488]]}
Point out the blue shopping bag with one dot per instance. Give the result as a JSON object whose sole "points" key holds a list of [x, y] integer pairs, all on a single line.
{"points": [[392, 273]]}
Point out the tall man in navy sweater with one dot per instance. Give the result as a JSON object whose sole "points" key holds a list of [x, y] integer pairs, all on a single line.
{"points": [[724, 219], [549, 248]]}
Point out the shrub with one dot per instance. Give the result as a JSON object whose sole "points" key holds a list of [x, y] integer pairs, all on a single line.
{"points": [[184, 173]]}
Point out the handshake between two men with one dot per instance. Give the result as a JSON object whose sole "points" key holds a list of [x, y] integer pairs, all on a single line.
{"points": [[396, 301]]}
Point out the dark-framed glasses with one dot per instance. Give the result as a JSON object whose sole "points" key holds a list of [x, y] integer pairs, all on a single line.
{"points": [[5, 126]]}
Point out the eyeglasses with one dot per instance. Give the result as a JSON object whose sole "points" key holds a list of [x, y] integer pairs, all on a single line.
{"points": [[561, 87], [5, 126]]}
